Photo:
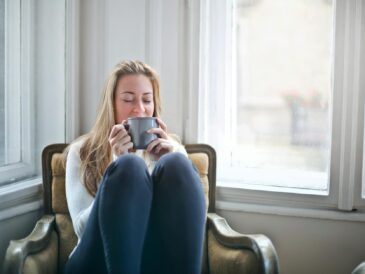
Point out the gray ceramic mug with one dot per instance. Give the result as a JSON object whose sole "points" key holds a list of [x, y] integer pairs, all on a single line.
{"points": [[137, 128]]}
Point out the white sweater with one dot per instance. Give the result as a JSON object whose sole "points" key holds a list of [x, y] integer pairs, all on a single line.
{"points": [[79, 201]]}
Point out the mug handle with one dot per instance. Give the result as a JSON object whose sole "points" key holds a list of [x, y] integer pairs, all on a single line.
{"points": [[126, 126]]}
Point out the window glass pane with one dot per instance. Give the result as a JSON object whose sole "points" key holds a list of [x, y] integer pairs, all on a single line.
{"points": [[282, 129], [2, 83]]}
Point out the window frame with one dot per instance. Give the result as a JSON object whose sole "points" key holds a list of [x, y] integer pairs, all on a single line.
{"points": [[18, 93], [346, 169]]}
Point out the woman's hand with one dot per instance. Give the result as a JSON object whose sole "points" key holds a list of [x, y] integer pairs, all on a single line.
{"points": [[119, 139], [162, 145]]}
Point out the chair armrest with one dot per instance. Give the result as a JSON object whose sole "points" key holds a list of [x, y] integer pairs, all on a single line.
{"points": [[260, 245], [360, 269], [37, 240]]}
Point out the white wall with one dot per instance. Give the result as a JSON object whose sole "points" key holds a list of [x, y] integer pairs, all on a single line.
{"points": [[110, 31], [306, 245], [49, 56], [113, 31]]}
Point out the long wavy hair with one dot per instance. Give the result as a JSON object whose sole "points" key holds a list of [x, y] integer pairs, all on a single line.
{"points": [[95, 152]]}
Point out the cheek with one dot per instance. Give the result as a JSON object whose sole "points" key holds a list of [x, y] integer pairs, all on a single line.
{"points": [[121, 112], [150, 110]]}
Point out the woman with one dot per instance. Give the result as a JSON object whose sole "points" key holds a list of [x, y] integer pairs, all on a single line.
{"points": [[133, 211]]}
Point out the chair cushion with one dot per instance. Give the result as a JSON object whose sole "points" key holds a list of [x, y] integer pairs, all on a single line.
{"points": [[67, 238], [201, 162], [59, 203]]}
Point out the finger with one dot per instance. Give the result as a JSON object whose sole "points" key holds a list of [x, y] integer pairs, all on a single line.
{"points": [[158, 145], [153, 144], [116, 129], [157, 148], [162, 124], [113, 132], [120, 137], [158, 131], [127, 146], [113, 141], [124, 139], [163, 146], [123, 148]]}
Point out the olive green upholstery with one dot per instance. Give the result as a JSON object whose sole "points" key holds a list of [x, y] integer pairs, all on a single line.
{"points": [[47, 248]]}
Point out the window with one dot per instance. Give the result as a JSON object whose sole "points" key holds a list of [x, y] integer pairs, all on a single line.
{"points": [[280, 99], [32, 79], [283, 83], [16, 160]]}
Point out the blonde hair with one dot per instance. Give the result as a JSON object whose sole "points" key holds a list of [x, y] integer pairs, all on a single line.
{"points": [[95, 152]]}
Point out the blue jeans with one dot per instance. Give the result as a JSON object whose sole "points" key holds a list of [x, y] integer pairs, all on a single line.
{"points": [[142, 223]]}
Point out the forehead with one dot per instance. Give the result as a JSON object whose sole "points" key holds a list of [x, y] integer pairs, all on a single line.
{"points": [[134, 83]]}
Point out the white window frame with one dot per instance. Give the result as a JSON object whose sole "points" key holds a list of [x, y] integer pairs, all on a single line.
{"points": [[18, 92], [344, 193]]}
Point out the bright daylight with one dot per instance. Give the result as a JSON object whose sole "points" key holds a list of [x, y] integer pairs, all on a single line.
{"points": [[284, 87]]}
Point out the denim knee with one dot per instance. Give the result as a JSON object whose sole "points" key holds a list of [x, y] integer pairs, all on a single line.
{"points": [[125, 163], [174, 160], [129, 169], [175, 165], [129, 161]]}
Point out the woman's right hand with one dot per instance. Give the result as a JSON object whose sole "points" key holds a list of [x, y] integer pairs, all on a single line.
{"points": [[119, 140]]}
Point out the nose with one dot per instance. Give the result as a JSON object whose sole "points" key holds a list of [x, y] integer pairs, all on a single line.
{"points": [[139, 109]]}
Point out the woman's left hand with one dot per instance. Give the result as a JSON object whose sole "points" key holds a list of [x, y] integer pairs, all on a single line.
{"points": [[162, 145]]}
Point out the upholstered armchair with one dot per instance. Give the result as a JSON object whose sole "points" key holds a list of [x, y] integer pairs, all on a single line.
{"points": [[48, 246]]}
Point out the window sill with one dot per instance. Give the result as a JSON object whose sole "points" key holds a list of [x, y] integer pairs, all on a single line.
{"points": [[326, 214], [20, 198], [274, 189], [317, 206]]}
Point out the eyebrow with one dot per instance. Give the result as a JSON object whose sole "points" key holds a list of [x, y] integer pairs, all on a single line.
{"points": [[130, 92]]}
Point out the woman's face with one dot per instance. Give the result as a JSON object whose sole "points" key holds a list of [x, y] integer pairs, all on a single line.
{"points": [[133, 97]]}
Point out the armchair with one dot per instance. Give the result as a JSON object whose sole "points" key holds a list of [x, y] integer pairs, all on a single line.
{"points": [[48, 246]]}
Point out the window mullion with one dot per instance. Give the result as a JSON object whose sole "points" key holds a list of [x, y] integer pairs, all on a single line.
{"points": [[347, 92], [27, 84]]}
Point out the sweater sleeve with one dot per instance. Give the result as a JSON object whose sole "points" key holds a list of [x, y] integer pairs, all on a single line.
{"points": [[79, 201], [178, 146]]}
